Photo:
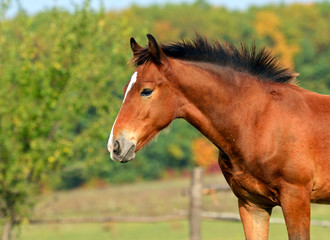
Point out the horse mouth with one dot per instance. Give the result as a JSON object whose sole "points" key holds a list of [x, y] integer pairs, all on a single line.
{"points": [[123, 151], [130, 155]]}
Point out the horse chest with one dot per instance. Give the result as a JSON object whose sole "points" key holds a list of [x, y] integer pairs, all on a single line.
{"points": [[248, 187]]}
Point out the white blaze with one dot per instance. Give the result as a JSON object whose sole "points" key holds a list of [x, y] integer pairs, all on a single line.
{"points": [[129, 87]]}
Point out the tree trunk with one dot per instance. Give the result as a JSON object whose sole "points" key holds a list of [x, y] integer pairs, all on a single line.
{"points": [[7, 230], [9, 224]]}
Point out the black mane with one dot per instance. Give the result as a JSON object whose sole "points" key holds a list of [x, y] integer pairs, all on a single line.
{"points": [[259, 63]]}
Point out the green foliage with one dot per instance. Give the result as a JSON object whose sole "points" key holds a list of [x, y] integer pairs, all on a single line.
{"points": [[73, 175]]}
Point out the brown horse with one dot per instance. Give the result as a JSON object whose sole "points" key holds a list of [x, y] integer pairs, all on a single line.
{"points": [[273, 136]]}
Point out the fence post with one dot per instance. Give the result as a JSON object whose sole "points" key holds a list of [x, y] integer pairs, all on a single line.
{"points": [[196, 203]]}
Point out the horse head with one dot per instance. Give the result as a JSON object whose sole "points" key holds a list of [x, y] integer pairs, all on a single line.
{"points": [[149, 105]]}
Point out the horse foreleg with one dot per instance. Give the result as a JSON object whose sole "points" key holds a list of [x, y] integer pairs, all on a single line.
{"points": [[295, 203], [255, 220]]}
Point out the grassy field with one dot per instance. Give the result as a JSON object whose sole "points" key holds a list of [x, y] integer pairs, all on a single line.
{"points": [[148, 199], [211, 230]]}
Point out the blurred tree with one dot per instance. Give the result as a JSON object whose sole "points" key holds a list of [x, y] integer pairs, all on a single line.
{"points": [[205, 153], [164, 31], [40, 117], [268, 25]]}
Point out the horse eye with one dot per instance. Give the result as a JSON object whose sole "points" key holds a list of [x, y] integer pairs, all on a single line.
{"points": [[146, 92]]}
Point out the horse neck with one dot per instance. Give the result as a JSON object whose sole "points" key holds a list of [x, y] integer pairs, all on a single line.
{"points": [[218, 101]]}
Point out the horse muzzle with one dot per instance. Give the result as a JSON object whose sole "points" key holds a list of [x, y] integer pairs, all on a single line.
{"points": [[122, 150]]}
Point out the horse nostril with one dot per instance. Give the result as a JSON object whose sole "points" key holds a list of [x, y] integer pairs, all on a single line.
{"points": [[116, 148]]}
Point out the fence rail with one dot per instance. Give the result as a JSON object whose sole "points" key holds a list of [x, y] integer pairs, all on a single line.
{"points": [[234, 217], [131, 219]]}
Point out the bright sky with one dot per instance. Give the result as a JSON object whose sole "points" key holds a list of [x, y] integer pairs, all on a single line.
{"points": [[34, 6]]}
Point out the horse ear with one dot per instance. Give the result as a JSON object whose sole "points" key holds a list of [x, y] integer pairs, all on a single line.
{"points": [[157, 54], [135, 46]]}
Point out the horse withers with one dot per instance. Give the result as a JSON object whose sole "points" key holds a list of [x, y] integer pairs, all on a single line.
{"points": [[273, 136]]}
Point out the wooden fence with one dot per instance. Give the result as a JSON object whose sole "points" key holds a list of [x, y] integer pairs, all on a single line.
{"points": [[194, 215]]}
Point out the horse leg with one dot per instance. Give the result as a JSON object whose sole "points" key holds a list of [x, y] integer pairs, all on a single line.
{"points": [[295, 203], [255, 220]]}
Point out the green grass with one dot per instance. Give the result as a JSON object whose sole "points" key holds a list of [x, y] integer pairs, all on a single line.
{"points": [[154, 198], [178, 230]]}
